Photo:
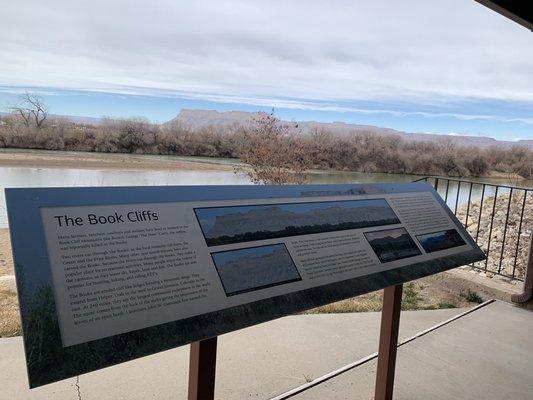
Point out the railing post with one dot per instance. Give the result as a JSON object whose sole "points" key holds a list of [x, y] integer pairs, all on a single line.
{"points": [[202, 368], [388, 342], [527, 294]]}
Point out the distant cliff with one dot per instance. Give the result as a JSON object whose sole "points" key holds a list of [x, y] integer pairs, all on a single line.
{"points": [[274, 219], [198, 119], [253, 272]]}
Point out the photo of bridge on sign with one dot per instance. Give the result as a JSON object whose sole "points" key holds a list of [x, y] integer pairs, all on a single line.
{"points": [[107, 275]]}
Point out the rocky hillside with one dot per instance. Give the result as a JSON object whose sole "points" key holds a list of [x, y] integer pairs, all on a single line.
{"points": [[498, 231]]}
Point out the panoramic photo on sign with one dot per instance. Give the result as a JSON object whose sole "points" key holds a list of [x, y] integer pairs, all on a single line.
{"points": [[106, 275]]}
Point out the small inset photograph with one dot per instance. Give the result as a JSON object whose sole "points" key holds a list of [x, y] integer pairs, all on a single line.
{"points": [[442, 240], [254, 268], [392, 244]]}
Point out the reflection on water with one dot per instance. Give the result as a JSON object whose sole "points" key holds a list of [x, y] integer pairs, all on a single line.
{"points": [[70, 177]]}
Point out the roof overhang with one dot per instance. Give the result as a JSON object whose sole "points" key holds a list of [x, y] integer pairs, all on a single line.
{"points": [[520, 11]]}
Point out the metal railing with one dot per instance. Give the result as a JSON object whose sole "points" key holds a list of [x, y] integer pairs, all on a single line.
{"points": [[499, 218]]}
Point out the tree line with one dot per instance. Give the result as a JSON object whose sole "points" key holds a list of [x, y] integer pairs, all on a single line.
{"points": [[268, 143]]}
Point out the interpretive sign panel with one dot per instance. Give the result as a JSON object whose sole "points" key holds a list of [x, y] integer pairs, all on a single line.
{"points": [[106, 275]]}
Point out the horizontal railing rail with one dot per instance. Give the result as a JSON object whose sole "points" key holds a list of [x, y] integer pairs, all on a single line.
{"points": [[499, 218]]}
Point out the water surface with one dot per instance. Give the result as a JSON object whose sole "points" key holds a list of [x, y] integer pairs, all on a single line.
{"points": [[74, 177]]}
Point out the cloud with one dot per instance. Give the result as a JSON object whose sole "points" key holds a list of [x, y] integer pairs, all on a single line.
{"points": [[282, 103], [316, 54]]}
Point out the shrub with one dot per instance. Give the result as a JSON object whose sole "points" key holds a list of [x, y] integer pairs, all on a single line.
{"points": [[471, 297], [273, 147], [272, 154]]}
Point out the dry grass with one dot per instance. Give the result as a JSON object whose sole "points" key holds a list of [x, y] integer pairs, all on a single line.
{"points": [[425, 294], [6, 258], [9, 314], [9, 308], [367, 302]]}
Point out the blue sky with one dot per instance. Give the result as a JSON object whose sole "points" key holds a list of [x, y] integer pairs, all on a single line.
{"points": [[499, 119], [451, 67]]}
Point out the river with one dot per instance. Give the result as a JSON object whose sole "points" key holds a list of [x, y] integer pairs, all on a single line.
{"points": [[72, 177]]}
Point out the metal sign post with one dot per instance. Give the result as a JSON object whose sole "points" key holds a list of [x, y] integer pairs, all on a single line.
{"points": [[202, 362], [202, 369], [388, 341]]}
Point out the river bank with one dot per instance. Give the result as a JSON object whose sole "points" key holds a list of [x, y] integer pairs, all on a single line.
{"points": [[71, 159], [29, 158]]}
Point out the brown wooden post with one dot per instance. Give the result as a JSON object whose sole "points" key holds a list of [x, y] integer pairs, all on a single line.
{"points": [[202, 368], [388, 342]]}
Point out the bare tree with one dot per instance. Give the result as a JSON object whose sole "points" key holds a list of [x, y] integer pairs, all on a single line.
{"points": [[272, 154], [31, 110]]}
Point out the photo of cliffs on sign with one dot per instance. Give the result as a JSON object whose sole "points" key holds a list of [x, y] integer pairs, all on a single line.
{"points": [[443, 240], [225, 225], [392, 244], [254, 268]]}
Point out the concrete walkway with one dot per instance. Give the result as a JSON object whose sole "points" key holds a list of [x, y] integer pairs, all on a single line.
{"points": [[484, 349], [487, 355]]}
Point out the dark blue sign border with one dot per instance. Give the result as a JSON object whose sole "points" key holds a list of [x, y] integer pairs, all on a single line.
{"points": [[48, 361]]}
